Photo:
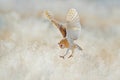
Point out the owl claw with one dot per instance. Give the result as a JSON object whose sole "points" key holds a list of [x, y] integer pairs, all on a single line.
{"points": [[70, 56], [62, 57], [79, 47]]}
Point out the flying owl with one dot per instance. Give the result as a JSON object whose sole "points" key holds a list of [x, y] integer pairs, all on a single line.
{"points": [[70, 30]]}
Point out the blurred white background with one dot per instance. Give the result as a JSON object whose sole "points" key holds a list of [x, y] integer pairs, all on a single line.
{"points": [[28, 41]]}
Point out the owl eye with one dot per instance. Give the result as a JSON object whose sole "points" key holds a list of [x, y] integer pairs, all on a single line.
{"points": [[61, 45]]}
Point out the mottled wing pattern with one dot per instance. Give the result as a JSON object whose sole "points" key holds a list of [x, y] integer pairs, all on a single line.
{"points": [[56, 23], [72, 19], [49, 15]]}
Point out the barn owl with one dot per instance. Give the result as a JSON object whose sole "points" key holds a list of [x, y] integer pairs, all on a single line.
{"points": [[70, 30]]}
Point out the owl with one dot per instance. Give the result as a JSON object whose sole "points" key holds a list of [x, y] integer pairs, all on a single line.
{"points": [[70, 30]]}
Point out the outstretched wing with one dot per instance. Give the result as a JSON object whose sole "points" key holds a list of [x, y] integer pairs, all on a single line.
{"points": [[72, 18], [56, 23]]}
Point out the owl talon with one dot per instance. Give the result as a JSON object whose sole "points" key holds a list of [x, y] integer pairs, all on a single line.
{"points": [[70, 56], [62, 57], [79, 47]]}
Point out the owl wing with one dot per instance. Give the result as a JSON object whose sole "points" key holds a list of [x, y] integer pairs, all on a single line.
{"points": [[61, 27], [73, 20]]}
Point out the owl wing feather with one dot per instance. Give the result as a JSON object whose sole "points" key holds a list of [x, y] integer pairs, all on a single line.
{"points": [[72, 18], [61, 27]]}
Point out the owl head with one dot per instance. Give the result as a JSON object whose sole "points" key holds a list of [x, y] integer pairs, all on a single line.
{"points": [[63, 44]]}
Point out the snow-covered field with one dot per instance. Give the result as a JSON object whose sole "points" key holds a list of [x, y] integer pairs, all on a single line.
{"points": [[29, 43]]}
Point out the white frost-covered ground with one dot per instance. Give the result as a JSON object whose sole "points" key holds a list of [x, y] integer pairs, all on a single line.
{"points": [[29, 49]]}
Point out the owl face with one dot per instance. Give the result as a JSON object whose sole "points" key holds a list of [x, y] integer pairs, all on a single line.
{"points": [[63, 44]]}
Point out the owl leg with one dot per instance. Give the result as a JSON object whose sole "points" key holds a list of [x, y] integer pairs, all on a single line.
{"points": [[65, 54], [73, 48]]}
